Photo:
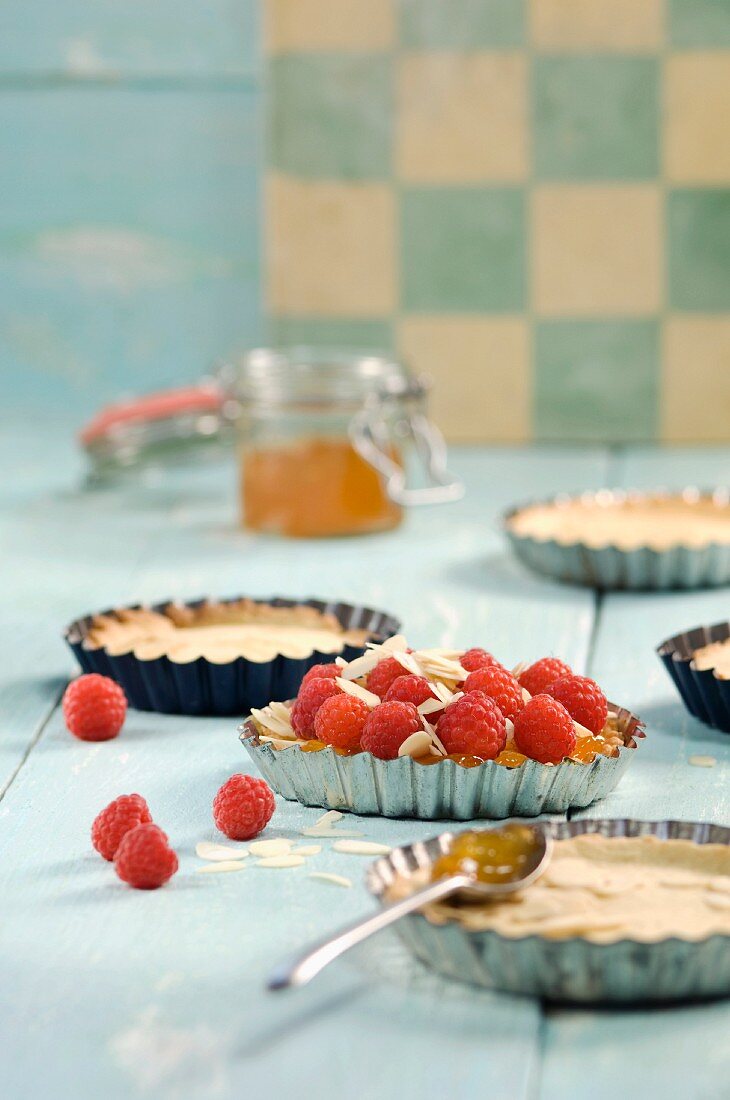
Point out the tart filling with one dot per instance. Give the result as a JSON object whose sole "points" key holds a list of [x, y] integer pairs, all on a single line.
{"points": [[603, 890], [221, 632], [715, 656], [447, 716], [657, 522]]}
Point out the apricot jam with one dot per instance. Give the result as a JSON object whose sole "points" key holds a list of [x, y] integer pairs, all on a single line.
{"points": [[488, 856], [314, 487], [587, 748], [313, 746], [510, 758], [462, 759]]}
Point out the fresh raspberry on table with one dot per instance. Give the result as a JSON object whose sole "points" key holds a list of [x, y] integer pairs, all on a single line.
{"points": [[144, 859], [116, 819], [94, 707], [383, 675], [544, 730], [473, 725], [538, 677], [340, 720], [583, 700], [322, 672], [307, 703], [477, 658], [243, 807], [500, 685], [388, 726]]}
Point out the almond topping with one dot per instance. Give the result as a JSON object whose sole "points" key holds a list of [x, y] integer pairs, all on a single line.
{"points": [[358, 692], [418, 744]]}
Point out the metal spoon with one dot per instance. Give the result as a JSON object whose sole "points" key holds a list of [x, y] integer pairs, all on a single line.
{"points": [[300, 970]]}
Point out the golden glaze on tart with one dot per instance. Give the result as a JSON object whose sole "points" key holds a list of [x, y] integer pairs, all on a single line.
{"points": [[606, 889], [658, 522], [221, 632]]}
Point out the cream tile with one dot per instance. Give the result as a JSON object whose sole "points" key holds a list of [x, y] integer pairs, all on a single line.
{"points": [[331, 248], [604, 26], [461, 118], [697, 121], [695, 404], [480, 369], [596, 250], [310, 25]]}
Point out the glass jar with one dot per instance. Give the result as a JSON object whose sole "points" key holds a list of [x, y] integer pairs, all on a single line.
{"points": [[324, 440]]}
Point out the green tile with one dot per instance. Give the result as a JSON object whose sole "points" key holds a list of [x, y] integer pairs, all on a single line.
{"points": [[456, 24], [699, 24], [699, 247], [333, 332], [462, 249], [596, 118], [596, 380], [331, 115]]}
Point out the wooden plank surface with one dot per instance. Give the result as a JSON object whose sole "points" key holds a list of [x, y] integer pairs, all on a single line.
{"points": [[162, 993]]}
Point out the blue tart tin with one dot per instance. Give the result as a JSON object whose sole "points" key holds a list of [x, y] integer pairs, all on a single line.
{"points": [[705, 695], [572, 970], [609, 567], [363, 784], [203, 687]]}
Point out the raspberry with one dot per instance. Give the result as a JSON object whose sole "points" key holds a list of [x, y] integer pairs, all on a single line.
{"points": [[583, 700], [388, 726], [538, 677], [121, 815], [410, 689], [321, 672], [144, 859], [477, 658], [340, 720], [383, 675], [243, 807], [500, 685], [94, 707], [309, 700], [544, 730], [473, 725]]}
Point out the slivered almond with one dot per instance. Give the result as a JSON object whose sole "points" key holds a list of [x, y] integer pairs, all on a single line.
{"points": [[328, 834], [443, 654], [702, 761], [431, 731], [218, 852], [358, 692], [443, 693], [222, 867], [361, 848], [280, 861], [329, 818], [409, 662], [275, 847], [520, 668], [430, 706], [361, 666], [418, 744], [326, 876], [274, 722], [395, 642], [279, 742], [307, 850], [526, 696]]}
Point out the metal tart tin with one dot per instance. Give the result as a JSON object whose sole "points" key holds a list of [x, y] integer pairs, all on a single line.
{"points": [[610, 567], [201, 687], [704, 694], [363, 784], [572, 970]]}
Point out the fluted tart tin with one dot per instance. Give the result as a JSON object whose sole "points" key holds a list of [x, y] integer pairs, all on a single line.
{"points": [[446, 791], [642, 564], [205, 686], [705, 694], [575, 970]]}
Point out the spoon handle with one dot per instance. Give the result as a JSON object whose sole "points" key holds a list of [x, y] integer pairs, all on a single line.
{"points": [[302, 968]]}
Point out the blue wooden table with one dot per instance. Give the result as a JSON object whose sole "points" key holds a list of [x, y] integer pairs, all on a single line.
{"points": [[112, 992]]}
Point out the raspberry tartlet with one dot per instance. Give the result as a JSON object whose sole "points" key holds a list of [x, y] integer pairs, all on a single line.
{"points": [[416, 733]]}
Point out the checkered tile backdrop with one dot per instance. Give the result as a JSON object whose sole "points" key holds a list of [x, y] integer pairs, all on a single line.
{"points": [[530, 201]]}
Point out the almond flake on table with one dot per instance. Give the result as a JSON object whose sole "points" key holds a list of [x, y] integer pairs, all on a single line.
{"points": [[327, 876], [307, 850], [358, 692], [217, 852], [281, 861], [329, 818], [361, 848], [274, 847], [702, 761], [222, 867], [326, 834]]}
